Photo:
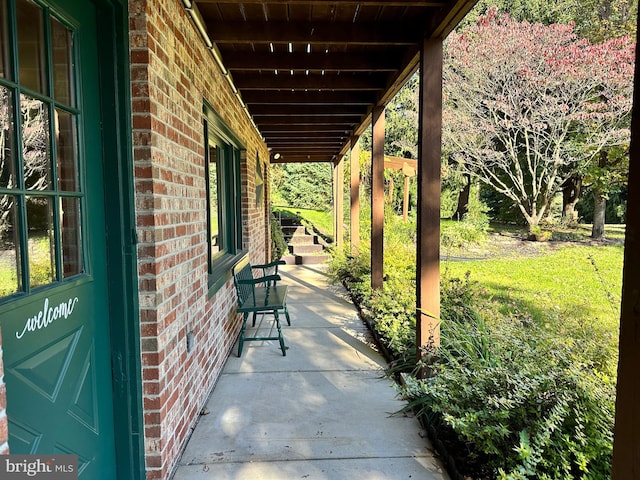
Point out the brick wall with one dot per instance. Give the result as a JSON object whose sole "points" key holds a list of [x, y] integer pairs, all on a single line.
{"points": [[172, 74]]}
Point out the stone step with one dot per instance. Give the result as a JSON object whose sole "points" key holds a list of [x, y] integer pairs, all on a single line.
{"points": [[298, 249], [302, 240], [291, 230], [287, 222], [304, 259]]}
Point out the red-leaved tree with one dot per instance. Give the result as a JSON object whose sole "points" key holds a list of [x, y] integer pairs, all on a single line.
{"points": [[528, 106]]}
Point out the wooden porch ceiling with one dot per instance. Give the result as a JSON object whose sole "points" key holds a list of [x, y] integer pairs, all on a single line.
{"points": [[311, 71]]}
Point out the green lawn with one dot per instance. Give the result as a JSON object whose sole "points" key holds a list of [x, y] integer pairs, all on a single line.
{"points": [[571, 282]]}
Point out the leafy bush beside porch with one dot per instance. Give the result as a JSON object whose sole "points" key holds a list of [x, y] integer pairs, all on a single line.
{"points": [[517, 396]]}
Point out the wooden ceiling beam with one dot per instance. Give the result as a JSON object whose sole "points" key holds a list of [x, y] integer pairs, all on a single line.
{"points": [[305, 120], [264, 110], [302, 144], [286, 81], [305, 128], [316, 33], [324, 3], [308, 98], [302, 158], [302, 136], [383, 61], [306, 151]]}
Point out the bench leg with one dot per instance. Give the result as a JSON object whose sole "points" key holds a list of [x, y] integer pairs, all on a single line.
{"points": [[280, 337], [286, 314], [242, 330]]}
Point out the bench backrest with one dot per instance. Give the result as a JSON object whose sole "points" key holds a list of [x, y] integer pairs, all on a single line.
{"points": [[244, 290]]}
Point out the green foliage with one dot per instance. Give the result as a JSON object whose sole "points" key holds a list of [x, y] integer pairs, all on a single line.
{"points": [[305, 185], [526, 403], [524, 395], [616, 209], [596, 20], [471, 229], [278, 244], [401, 122]]}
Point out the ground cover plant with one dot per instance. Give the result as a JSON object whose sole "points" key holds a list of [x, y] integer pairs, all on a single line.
{"points": [[525, 374]]}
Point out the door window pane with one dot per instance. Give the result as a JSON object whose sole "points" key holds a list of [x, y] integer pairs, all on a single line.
{"points": [[31, 46], [7, 157], [35, 143], [41, 206], [4, 42], [9, 247], [41, 241], [215, 239], [62, 43], [66, 147], [71, 237]]}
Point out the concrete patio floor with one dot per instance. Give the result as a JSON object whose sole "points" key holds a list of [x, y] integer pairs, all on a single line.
{"points": [[322, 412]]}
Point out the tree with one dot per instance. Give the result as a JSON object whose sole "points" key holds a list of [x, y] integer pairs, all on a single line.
{"points": [[307, 185], [35, 145], [401, 121], [536, 105], [596, 20]]}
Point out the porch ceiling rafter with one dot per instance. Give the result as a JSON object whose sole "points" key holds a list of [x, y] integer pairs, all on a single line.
{"points": [[310, 72], [382, 61]]}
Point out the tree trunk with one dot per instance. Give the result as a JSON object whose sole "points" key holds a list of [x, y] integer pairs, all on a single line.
{"points": [[463, 199], [599, 206], [570, 195]]}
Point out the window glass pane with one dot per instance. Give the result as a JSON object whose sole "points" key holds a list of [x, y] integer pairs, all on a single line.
{"points": [[62, 43], [4, 41], [10, 278], [215, 239], [71, 237], [66, 147], [31, 58], [41, 243], [35, 143], [7, 156]]}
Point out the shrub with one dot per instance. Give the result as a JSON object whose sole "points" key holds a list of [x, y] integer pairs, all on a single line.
{"points": [[526, 403], [278, 244], [471, 229]]}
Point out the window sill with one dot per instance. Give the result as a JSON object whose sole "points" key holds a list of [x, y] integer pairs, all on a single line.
{"points": [[221, 272]]}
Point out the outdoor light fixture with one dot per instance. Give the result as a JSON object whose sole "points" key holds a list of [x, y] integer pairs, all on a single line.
{"points": [[276, 156]]}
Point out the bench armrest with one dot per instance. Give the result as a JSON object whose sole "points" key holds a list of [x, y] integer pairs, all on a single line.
{"points": [[270, 265], [257, 281]]}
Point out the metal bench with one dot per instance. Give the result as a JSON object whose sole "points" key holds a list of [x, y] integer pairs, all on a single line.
{"points": [[260, 295]]}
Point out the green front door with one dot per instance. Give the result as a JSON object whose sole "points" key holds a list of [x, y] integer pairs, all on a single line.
{"points": [[54, 299]]}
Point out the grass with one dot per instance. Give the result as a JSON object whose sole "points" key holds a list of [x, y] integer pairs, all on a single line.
{"points": [[576, 282], [320, 219], [40, 265], [8, 276]]}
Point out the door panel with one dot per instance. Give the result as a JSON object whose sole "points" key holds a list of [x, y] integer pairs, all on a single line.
{"points": [[55, 328]]}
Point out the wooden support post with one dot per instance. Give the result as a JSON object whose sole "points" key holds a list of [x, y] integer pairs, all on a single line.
{"points": [[355, 195], [429, 153], [377, 198], [405, 199], [626, 441], [338, 203]]}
